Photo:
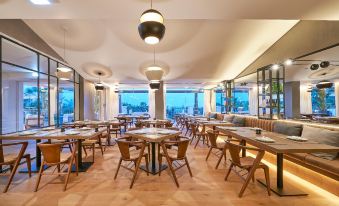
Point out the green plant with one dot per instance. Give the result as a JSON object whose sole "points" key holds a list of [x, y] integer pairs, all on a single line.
{"points": [[322, 100]]}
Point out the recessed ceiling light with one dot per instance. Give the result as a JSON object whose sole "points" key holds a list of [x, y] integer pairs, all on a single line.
{"points": [[42, 2], [64, 69]]}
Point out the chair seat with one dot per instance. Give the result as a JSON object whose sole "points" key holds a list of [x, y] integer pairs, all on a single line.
{"points": [[89, 142], [247, 162], [172, 153], [221, 142], [11, 158], [134, 154]]}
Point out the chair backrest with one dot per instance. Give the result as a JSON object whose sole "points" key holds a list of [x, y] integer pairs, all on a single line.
{"points": [[50, 152], [234, 150], [138, 124], [168, 124], [212, 136], [124, 145], [182, 144], [194, 128], [21, 152]]}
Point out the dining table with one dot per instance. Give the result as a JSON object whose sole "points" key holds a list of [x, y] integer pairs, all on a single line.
{"points": [[155, 123], [153, 136], [214, 123], [278, 144], [51, 133]]}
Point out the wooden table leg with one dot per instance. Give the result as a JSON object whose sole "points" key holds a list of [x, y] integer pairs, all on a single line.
{"points": [[37, 163], [83, 166]]}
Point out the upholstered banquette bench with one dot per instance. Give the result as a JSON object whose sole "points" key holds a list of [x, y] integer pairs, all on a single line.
{"points": [[323, 163]]}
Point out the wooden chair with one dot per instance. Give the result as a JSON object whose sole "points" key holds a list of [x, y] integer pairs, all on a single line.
{"points": [[115, 129], [128, 155], [52, 157], [218, 143], [138, 124], [196, 134], [175, 156], [14, 161], [247, 163], [147, 143], [188, 128]]}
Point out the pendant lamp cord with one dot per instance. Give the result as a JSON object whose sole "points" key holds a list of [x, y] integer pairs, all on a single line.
{"points": [[151, 4], [154, 55], [64, 44]]}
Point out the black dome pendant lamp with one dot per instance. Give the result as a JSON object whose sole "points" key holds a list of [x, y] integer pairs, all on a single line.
{"points": [[151, 27]]}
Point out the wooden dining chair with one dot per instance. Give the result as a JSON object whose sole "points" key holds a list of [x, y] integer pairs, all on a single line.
{"points": [[218, 142], [176, 158], [13, 160], [125, 144], [148, 145], [188, 128], [198, 135], [139, 124], [115, 129], [247, 163], [52, 157]]}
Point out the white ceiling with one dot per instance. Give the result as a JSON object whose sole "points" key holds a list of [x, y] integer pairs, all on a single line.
{"points": [[205, 41]]}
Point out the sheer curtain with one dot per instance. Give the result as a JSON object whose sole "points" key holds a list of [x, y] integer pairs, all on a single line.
{"points": [[151, 102], [305, 100], [112, 104], [209, 101], [253, 100]]}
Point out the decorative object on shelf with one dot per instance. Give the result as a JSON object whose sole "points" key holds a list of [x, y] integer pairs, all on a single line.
{"points": [[151, 27], [324, 84], [271, 93]]}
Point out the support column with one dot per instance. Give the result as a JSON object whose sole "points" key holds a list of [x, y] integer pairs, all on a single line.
{"points": [[292, 99], [160, 102]]}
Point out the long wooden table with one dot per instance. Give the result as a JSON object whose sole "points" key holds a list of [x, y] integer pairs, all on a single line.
{"points": [[154, 136], [281, 146], [149, 122], [56, 134]]}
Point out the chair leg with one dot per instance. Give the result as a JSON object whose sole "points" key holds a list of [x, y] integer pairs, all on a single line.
{"points": [[116, 173], [248, 179], [41, 170], [192, 139], [149, 151], [28, 161], [93, 152], [229, 171], [68, 172], [196, 144], [137, 165], [171, 167], [267, 178], [13, 170], [209, 152], [188, 167], [84, 150], [100, 145]]}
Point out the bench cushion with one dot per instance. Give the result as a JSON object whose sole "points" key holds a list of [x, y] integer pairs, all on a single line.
{"points": [[239, 121], [323, 136], [212, 115], [228, 117], [329, 165], [286, 128]]}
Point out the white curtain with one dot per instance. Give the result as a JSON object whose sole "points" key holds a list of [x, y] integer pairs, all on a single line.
{"points": [[336, 93], [89, 98], [253, 100], [112, 104], [164, 95], [209, 101], [305, 100], [151, 103]]}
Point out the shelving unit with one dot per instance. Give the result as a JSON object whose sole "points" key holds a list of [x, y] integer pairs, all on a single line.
{"points": [[271, 86], [229, 95]]}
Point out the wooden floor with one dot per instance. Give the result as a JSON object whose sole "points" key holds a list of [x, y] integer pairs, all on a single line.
{"points": [[97, 187]]}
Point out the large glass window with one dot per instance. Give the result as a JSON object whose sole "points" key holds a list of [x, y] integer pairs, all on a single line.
{"points": [[323, 101], [184, 101], [133, 102], [66, 102], [32, 96], [19, 99], [241, 102], [220, 101]]}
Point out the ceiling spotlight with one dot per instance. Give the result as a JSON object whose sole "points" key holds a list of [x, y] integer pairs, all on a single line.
{"points": [[324, 84], [314, 67], [275, 67], [324, 64], [41, 2], [288, 62], [154, 84], [151, 27]]}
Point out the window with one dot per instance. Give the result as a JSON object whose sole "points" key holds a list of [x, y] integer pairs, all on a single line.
{"points": [[133, 101], [220, 101], [241, 101], [323, 101], [32, 96], [66, 102], [184, 101], [19, 99]]}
